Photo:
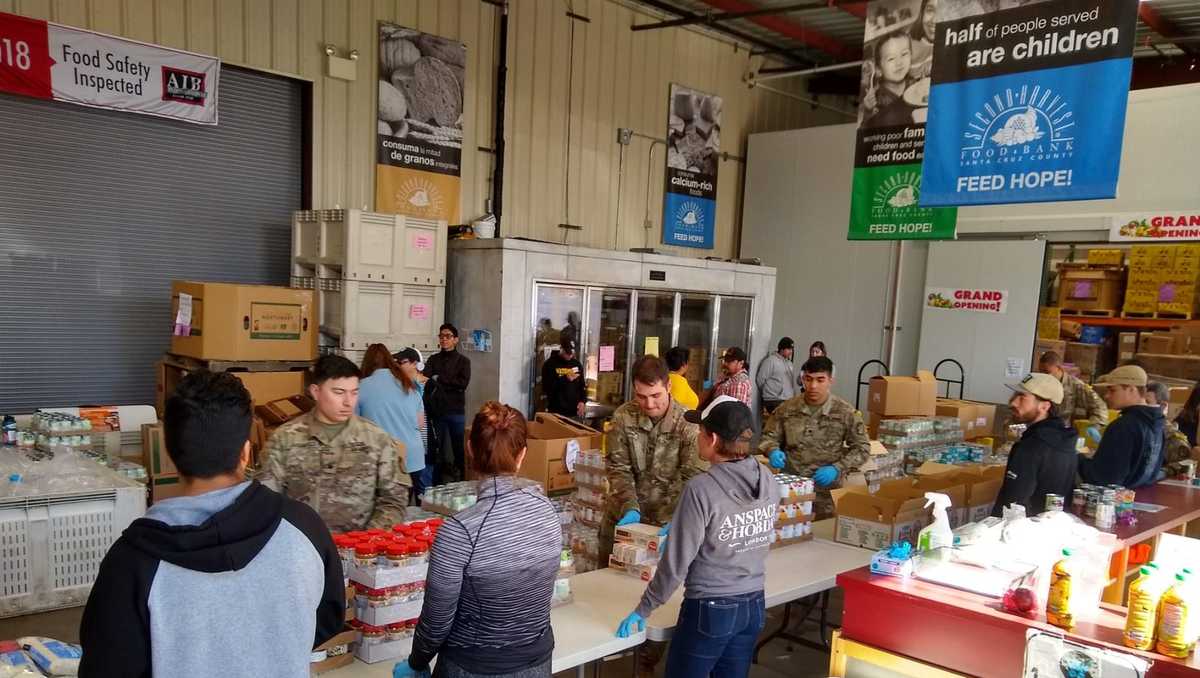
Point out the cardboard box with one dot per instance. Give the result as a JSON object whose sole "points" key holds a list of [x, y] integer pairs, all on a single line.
{"points": [[978, 420], [1179, 397], [1175, 366], [346, 638], [1090, 289], [1155, 342], [639, 534], [263, 386], [244, 322], [1127, 346], [551, 437], [154, 452], [1070, 329], [1049, 322], [1105, 257], [903, 396], [874, 521], [279, 412], [164, 487], [982, 484], [1091, 359], [1043, 346]]}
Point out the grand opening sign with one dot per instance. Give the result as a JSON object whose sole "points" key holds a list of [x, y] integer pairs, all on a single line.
{"points": [[1155, 227], [47, 61], [967, 299]]}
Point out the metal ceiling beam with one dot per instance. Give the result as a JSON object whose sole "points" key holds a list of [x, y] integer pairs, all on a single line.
{"points": [[710, 18], [793, 54], [1164, 27], [788, 28]]}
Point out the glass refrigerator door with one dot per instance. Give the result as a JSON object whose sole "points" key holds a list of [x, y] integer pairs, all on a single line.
{"points": [[559, 313], [696, 315], [655, 323], [733, 329], [607, 350]]}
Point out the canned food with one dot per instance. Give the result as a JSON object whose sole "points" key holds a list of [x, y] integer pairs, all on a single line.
{"points": [[1093, 500], [1079, 501], [1106, 516], [1054, 502], [1189, 468]]}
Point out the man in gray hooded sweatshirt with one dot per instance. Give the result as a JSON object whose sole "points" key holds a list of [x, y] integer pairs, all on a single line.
{"points": [[717, 547]]}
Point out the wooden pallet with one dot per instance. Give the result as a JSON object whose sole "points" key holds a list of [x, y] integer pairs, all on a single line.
{"points": [[1148, 315], [1160, 315], [1091, 313], [192, 364]]}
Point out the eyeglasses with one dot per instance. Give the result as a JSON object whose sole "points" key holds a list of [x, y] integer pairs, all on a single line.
{"points": [[445, 335]]}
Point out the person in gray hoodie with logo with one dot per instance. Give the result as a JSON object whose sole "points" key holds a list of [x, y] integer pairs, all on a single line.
{"points": [[717, 547]]}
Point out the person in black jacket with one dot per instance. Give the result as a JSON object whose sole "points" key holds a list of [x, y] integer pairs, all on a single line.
{"points": [[1044, 460], [1130, 453], [228, 579], [563, 382], [452, 371]]}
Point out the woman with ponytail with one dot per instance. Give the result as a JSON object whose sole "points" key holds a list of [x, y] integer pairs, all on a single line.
{"points": [[492, 568]]}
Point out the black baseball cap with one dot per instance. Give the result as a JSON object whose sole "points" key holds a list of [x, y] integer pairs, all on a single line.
{"points": [[734, 353], [786, 343], [725, 416], [566, 346], [409, 354]]}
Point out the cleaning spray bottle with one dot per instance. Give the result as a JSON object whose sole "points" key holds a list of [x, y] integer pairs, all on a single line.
{"points": [[938, 533]]}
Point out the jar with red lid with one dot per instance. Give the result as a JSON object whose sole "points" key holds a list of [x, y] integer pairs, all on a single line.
{"points": [[397, 555], [418, 553], [373, 635], [366, 555], [397, 631]]}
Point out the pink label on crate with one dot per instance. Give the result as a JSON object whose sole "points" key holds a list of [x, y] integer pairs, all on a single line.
{"points": [[422, 241], [1166, 293], [1082, 290], [419, 311]]}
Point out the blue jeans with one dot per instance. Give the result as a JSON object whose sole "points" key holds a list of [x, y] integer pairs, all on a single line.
{"points": [[716, 636], [420, 481]]}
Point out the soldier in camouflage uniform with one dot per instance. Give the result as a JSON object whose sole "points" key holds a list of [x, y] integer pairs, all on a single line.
{"points": [[341, 465], [815, 432], [1080, 401], [1176, 447], [652, 453]]}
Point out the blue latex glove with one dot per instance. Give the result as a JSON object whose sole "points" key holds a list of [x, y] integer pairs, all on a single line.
{"points": [[630, 625], [662, 532], [629, 518], [404, 670], [778, 459], [1093, 434], [707, 384], [665, 528], [900, 550], [825, 476]]}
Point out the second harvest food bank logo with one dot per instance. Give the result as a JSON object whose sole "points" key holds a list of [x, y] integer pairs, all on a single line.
{"points": [[897, 197], [689, 218], [1030, 123]]}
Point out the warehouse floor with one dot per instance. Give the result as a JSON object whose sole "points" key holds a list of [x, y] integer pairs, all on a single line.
{"points": [[776, 660]]}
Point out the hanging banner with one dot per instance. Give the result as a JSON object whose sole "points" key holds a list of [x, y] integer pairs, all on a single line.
{"points": [[1161, 227], [420, 118], [693, 153], [898, 54], [967, 299], [1028, 104], [48, 61]]}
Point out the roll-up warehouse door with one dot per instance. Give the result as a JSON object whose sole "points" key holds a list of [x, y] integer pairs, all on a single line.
{"points": [[101, 210]]}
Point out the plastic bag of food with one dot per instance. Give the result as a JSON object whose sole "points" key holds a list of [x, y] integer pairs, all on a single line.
{"points": [[14, 663], [53, 657]]}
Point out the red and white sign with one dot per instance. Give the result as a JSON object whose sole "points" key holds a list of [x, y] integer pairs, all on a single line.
{"points": [[1156, 227], [967, 299], [48, 61]]}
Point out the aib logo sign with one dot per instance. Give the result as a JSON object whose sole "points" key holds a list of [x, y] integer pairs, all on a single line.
{"points": [[1030, 123], [183, 87]]}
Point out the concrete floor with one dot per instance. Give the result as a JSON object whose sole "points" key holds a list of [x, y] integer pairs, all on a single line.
{"points": [[777, 660]]}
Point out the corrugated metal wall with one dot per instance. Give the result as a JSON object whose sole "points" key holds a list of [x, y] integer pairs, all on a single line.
{"points": [[616, 78]]}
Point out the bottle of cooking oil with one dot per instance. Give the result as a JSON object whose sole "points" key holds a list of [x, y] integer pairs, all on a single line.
{"points": [[1144, 595], [1058, 603], [1175, 629]]}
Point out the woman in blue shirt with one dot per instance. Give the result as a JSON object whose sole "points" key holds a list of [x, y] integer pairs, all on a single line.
{"points": [[388, 397]]}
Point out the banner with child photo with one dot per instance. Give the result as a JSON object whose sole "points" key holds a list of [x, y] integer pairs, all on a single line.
{"points": [[894, 102]]}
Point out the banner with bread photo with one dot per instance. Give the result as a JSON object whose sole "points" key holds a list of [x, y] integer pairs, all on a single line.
{"points": [[420, 123]]}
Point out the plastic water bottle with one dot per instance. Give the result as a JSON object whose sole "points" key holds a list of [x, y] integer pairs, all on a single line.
{"points": [[9, 429]]}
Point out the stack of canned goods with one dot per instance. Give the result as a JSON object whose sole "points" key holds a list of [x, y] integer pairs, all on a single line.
{"points": [[791, 487], [1103, 504]]}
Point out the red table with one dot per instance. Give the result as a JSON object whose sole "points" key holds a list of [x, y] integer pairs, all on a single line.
{"points": [[1183, 506], [964, 632]]}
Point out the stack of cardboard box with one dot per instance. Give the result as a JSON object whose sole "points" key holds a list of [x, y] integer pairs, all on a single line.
{"points": [[1174, 353], [978, 420], [553, 447], [892, 397], [163, 477], [1163, 280]]}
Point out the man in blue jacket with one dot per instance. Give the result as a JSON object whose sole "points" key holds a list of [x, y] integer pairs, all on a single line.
{"points": [[1130, 453]]}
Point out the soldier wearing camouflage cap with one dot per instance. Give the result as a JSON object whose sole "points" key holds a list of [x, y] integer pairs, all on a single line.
{"points": [[343, 466], [652, 453], [817, 434]]}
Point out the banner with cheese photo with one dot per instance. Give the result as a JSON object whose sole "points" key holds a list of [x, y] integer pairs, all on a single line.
{"points": [[420, 123]]}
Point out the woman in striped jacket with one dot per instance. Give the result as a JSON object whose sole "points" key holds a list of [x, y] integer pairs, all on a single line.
{"points": [[492, 569]]}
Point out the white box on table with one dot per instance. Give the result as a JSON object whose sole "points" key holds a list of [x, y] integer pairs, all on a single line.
{"points": [[388, 651], [387, 577], [391, 614]]}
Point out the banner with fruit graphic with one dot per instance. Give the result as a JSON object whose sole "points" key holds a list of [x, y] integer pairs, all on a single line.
{"points": [[420, 123], [894, 102], [967, 299], [1162, 227]]}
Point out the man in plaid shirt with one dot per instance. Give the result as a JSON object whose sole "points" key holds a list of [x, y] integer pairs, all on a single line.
{"points": [[737, 383]]}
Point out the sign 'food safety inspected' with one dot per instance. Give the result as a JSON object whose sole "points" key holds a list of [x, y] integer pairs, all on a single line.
{"points": [[967, 299], [48, 61], [1028, 104]]}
